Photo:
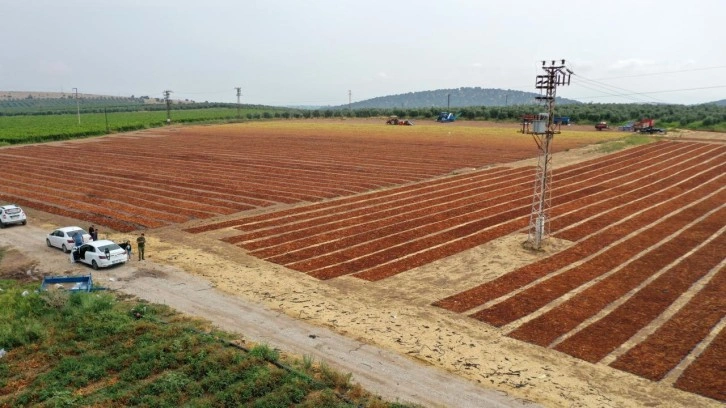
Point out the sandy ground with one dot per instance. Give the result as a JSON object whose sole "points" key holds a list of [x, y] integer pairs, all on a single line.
{"points": [[392, 315]]}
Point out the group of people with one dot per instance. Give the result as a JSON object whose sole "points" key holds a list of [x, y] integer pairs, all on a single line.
{"points": [[93, 231], [140, 242]]}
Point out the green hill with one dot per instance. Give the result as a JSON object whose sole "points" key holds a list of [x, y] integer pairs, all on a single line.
{"points": [[455, 98]]}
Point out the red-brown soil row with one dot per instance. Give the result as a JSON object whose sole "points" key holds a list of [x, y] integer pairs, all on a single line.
{"points": [[314, 211], [620, 207], [377, 209], [385, 219], [98, 219], [658, 354], [705, 376], [297, 214], [334, 224], [450, 248], [205, 173], [447, 216], [667, 220], [274, 219], [649, 303], [88, 186]]}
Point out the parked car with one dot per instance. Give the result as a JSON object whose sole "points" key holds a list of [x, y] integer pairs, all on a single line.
{"points": [[11, 214], [63, 238], [99, 254]]}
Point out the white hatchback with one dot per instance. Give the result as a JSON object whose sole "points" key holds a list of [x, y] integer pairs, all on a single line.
{"points": [[99, 254], [11, 214], [63, 238]]}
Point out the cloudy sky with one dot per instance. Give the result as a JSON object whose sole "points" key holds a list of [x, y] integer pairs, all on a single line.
{"points": [[291, 52]]}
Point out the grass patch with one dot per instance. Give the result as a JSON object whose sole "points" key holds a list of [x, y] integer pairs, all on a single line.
{"points": [[94, 349], [628, 141]]}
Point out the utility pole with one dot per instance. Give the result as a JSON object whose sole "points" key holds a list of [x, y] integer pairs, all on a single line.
{"points": [[168, 105], [448, 102], [544, 131], [350, 99], [78, 107], [239, 93]]}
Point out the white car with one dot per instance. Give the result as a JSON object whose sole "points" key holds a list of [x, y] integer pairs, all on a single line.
{"points": [[11, 214], [99, 254], [63, 238]]}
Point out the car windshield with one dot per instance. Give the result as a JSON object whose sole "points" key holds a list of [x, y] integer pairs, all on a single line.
{"points": [[109, 247], [74, 232], [12, 210]]}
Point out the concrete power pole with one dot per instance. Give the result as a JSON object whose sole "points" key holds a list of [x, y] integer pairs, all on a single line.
{"points": [[168, 105], [350, 99], [239, 93], [544, 131], [78, 107]]}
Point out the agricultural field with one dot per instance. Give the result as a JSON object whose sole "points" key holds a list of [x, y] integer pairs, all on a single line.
{"points": [[38, 128], [361, 220], [168, 176], [128, 353]]}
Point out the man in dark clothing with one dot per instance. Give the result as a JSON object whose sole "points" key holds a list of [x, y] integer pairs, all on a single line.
{"points": [[140, 242], [93, 232]]}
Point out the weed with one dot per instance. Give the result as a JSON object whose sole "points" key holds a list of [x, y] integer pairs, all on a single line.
{"points": [[264, 352]]}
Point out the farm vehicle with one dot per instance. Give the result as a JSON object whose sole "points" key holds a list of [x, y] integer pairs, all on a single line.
{"points": [[445, 117], [647, 125], [394, 120], [602, 126]]}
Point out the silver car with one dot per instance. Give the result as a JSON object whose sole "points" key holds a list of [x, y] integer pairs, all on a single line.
{"points": [[99, 254], [11, 214], [63, 238]]}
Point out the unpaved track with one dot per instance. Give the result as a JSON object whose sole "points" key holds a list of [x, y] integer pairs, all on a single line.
{"points": [[386, 373]]}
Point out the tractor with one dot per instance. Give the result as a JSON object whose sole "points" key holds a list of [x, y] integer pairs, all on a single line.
{"points": [[445, 117], [602, 126]]}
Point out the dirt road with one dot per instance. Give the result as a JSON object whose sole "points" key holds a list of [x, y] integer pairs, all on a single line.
{"points": [[384, 372]]}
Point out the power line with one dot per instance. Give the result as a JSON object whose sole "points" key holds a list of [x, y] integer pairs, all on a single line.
{"points": [[665, 72], [657, 92]]}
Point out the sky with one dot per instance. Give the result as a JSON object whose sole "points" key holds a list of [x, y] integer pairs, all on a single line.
{"points": [[318, 52]]}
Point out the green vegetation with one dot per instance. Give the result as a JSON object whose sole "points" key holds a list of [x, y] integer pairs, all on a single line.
{"points": [[35, 122], [628, 141], [92, 349], [39, 128]]}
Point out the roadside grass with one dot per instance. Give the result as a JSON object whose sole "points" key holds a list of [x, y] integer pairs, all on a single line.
{"points": [[96, 349], [628, 141]]}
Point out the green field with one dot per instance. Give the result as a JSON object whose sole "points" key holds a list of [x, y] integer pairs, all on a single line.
{"points": [[39, 128], [93, 349]]}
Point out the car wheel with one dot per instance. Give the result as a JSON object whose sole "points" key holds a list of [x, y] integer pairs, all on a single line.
{"points": [[94, 265], [64, 248], [47, 242], [25, 222], [2, 225]]}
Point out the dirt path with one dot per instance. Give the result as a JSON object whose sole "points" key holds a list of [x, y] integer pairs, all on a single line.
{"points": [[383, 372]]}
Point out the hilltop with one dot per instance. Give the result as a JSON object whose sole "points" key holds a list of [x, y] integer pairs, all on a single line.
{"points": [[456, 98]]}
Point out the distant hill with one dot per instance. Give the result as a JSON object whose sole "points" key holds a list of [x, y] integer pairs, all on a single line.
{"points": [[722, 102], [456, 98], [26, 102]]}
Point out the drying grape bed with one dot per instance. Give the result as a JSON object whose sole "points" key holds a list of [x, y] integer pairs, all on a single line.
{"points": [[168, 176], [646, 225]]}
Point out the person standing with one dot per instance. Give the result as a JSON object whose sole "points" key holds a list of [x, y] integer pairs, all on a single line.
{"points": [[140, 242], [92, 232], [127, 246]]}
